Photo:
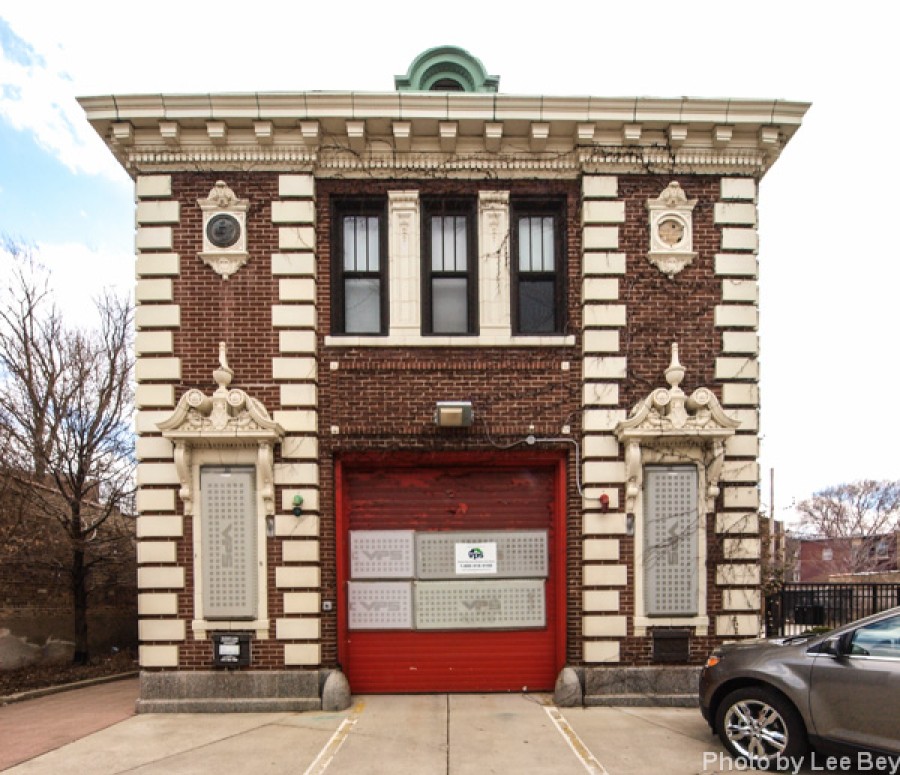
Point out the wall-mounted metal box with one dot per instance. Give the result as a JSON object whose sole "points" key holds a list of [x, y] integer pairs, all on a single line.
{"points": [[231, 649]]}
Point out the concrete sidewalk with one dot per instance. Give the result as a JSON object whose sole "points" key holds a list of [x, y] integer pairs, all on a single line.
{"points": [[416, 734]]}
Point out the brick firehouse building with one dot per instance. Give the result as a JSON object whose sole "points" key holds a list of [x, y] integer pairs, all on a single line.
{"points": [[443, 388]]}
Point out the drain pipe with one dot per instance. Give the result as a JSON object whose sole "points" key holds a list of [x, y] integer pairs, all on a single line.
{"points": [[531, 440]]}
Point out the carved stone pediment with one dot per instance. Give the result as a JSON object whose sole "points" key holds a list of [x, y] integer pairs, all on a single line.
{"points": [[227, 418], [669, 419], [231, 416]]}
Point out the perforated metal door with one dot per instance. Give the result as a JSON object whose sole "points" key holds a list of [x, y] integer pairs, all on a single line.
{"points": [[228, 520], [670, 545]]}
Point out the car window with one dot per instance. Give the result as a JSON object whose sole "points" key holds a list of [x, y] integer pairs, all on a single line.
{"points": [[881, 639]]}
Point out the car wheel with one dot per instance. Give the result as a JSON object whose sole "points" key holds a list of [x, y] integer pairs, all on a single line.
{"points": [[761, 727]]}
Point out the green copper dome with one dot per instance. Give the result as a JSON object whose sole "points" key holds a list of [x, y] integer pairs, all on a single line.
{"points": [[446, 68]]}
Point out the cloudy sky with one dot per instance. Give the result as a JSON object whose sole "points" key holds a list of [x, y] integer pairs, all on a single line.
{"points": [[829, 258]]}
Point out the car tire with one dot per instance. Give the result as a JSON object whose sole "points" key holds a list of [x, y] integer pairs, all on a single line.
{"points": [[759, 726]]}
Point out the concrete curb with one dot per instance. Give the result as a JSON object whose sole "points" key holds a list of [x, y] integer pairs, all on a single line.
{"points": [[33, 694]]}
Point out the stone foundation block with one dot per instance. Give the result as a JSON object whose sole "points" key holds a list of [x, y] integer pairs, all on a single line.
{"points": [[642, 686], [229, 691]]}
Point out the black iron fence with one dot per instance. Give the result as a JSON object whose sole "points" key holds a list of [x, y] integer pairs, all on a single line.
{"points": [[796, 608]]}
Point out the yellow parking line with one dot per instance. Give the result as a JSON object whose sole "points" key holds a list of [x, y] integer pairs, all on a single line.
{"points": [[575, 743]]}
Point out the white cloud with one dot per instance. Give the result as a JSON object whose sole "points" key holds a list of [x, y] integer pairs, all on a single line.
{"points": [[37, 96]]}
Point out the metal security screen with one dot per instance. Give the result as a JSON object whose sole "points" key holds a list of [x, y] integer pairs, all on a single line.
{"points": [[467, 605], [520, 554], [380, 605], [670, 546], [228, 520], [382, 554]]}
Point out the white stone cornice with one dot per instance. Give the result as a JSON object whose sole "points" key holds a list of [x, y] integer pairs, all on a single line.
{"points": [[540, 131], [121, 133], [170, 131], [149, 132], [584, 134], [356, 135], [448, 132], [493, 134], [217, 131], [402, 131], [335, 161], [310, 133], [264, 131], [722, 135]]}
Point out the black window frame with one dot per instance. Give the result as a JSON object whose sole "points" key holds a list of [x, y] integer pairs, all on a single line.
{"points": [[358, 207], [450, 207], [539, 208]]}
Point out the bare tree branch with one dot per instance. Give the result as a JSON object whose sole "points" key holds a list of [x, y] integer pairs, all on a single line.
{"points": [[856, 519], [66, 404]]}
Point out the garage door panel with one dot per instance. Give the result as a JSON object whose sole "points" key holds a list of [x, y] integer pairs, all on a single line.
{"points": [[520, 554], [463, 646], [480, 605], [444, 499], [450, 662]]}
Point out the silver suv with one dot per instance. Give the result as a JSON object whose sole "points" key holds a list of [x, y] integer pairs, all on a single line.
{"points": [[770, 701]]}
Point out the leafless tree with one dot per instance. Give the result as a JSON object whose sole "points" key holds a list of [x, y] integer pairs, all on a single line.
{"points": [[66, 406], [861, 520]]}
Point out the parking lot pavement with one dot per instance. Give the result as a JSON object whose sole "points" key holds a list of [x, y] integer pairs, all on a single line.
{"points": [[459, 734], [415, 734], [638, 740]]}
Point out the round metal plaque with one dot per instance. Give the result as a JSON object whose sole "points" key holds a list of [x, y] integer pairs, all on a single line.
{"points": [[223, 230]]}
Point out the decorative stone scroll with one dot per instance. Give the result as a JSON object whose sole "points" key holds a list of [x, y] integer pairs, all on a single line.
{"points": [[224, 230], [227, 418], [669, 420], [671, 230]]}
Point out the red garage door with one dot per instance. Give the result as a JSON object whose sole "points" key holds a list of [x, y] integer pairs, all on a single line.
{"points": [[451, 574]]}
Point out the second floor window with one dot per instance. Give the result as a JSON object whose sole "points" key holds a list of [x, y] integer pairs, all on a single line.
{"points": [[360, 264], [537, 271], [449, 263]]}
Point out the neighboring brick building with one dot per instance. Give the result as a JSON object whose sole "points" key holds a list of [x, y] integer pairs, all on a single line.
{"points": [[441, 306], [859, 557], [36, 564]]}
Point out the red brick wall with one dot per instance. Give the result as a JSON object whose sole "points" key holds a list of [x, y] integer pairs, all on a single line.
{"points": [[384, 398], [238, 311], [663, 310]]}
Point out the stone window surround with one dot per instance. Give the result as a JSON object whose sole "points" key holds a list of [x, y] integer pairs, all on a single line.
{"points": [[229, 456], [228, 428], [677, 456], [494, 281], [670, 428]]}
